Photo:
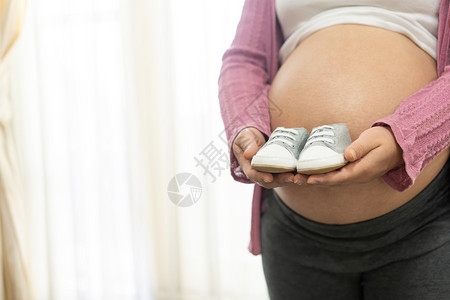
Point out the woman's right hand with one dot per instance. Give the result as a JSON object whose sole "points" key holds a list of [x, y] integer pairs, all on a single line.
{"points": [[245, 146]]}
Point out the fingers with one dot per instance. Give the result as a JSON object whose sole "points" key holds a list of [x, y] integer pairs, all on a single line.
{"points": [[244, 159], [245, 146], [366, 142], [300, 179], [251, 173], [352, 173], [251, 150], [371, 166], [260, 178], [279, 180], [282, 179], [371, 155], [366, 158], [249, 135]]}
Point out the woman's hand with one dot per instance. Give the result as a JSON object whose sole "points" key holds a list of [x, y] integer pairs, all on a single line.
{"points": [[370, 156], [245, 146]]}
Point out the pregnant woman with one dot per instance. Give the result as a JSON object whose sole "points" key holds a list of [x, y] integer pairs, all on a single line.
{"points": [[378, 228]]}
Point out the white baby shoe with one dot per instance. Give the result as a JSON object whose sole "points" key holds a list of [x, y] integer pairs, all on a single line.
{"points": [[324, 149], [280, 153]]}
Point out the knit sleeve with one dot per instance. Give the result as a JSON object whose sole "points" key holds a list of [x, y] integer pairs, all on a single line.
{"points": [[244, 79], [421, 126]]}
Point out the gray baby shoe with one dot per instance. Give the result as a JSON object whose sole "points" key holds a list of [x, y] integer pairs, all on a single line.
{"points": [[324, 149], [280, 153]]}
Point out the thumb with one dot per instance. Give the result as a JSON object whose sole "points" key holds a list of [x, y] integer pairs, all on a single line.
{"points": [[250, 150], [360, 147]]}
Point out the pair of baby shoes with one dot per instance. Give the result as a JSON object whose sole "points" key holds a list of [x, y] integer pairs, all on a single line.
{"points": [[294, 149]]}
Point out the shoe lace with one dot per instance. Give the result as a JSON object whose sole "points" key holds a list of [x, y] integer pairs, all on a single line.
{"points": [[321, 134], [284, 135]]}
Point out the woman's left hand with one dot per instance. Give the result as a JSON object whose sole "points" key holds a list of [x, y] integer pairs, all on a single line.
{"points": [[370, 156]]}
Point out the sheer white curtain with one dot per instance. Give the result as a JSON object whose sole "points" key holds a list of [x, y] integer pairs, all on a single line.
{"points": [[112, 99], [72, 130]]}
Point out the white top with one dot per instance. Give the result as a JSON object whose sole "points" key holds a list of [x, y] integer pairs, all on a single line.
{"points": [[416, 19]]}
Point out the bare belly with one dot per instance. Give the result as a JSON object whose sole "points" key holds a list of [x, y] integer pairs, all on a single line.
{"points": [[351, 74]]}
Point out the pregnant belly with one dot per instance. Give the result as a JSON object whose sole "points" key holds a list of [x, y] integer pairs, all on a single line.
{"points": [[351, 74]]}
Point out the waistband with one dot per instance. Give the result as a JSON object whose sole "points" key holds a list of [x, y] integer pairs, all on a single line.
{"points": [[430, 203]]}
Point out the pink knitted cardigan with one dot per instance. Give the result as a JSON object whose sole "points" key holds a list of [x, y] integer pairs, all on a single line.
{"points": [[421, 123]]}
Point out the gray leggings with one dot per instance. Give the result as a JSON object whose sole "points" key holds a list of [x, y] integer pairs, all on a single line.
{"points": [[404, 254]]}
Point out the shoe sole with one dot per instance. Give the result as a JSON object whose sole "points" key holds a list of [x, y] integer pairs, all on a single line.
{"points": [[322, 165], [273, 169], [321, 170], [273, 165]]}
